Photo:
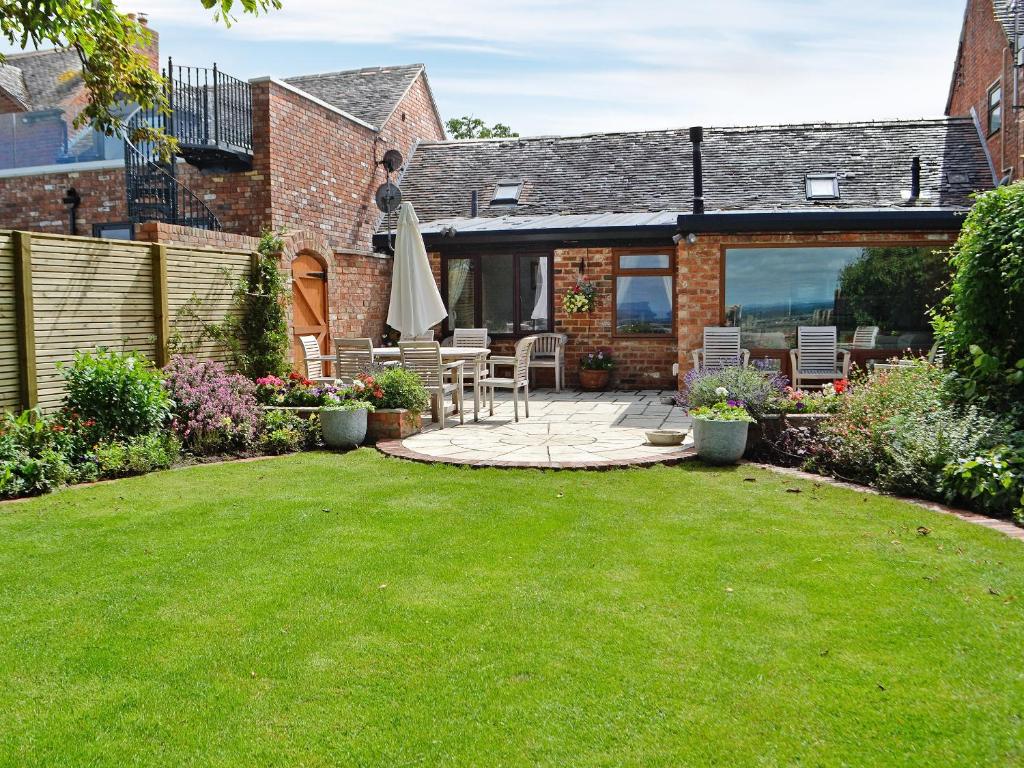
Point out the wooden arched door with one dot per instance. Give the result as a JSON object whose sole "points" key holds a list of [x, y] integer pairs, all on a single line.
{"points": [[309, 305]]}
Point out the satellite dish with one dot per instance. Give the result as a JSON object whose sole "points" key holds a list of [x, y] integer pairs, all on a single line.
{"points": [[388, 197], [392, 160]]}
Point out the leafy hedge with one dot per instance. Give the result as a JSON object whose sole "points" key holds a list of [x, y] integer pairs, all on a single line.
{"points": [[980, 323]]}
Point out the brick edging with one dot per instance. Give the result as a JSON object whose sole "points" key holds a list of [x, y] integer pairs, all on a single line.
{"points": [[397, 449], [1005, 527]]}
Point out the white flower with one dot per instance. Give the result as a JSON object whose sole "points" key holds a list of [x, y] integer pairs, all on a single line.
{"points": [[357, 384], [722, 392]]}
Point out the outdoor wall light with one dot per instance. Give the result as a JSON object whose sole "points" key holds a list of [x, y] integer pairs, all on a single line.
{"points": [[72, 200], [582, 266]]}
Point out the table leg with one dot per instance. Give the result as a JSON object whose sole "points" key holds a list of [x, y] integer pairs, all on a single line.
{"points": [[476, 387]]}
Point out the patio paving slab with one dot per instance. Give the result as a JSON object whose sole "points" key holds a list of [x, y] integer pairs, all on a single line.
{"points": [[566, 430]]}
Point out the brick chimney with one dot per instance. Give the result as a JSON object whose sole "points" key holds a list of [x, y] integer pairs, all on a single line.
{"points": [[151, 51]]}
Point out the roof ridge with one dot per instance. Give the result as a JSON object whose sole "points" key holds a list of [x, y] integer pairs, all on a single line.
{"points": [[39, 52], [680, 129], [359, 70]]}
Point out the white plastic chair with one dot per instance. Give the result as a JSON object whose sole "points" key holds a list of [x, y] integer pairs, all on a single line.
{"points": [[721, 349], [352, 357], [549, 352], [815, 360], [424, 359], [865, 337], [311, 358], [520, 378]]}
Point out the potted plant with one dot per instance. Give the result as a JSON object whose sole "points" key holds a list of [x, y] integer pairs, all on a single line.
{"points": [[720, 431], [398, 397], [595, 370], [344, 423]]}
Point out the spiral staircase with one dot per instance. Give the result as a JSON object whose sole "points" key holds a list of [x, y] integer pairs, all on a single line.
{"points": [[210, 116]]}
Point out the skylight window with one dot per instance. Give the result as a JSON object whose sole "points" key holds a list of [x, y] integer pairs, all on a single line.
{"points": [[507, 192], [822, 186]]}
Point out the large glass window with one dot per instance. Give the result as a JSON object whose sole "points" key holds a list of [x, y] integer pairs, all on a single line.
{"points": [[508, 293], [769, 292], [643, 293]]}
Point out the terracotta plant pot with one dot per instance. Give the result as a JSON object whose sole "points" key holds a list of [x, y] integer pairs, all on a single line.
{"points": [[392, 424], [593, 381]]}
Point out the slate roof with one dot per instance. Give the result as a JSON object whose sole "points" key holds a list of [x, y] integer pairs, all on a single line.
{"points": [[371, 94], [13, 82], [49, 77], [745, 169]]}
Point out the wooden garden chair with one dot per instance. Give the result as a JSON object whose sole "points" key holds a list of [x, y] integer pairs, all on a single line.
{"points": [[721, 349], [520, 378], [549, 352], [313, 360], [440, 379], [815, 360], [352, 357]]}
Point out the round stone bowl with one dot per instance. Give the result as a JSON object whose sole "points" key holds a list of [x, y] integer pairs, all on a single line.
{"points": [[666, 437], [343, 429]]}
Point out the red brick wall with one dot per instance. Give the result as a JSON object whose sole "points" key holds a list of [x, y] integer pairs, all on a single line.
{"points": [[984, 57], [8, 104], [34, 202]]}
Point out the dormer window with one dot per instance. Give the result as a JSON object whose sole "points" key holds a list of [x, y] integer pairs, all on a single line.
{"points": [[822, 186], [507, 192]]}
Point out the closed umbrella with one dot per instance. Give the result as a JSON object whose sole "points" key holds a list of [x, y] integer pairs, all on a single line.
{"points": [[416, 304]]}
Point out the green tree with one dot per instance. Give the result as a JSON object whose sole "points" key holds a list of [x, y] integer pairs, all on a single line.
{"points": [[109, 45], [893, 288], [470, 127]]}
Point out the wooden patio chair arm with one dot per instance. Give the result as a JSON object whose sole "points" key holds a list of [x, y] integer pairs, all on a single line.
{"points": [[846, 362]]}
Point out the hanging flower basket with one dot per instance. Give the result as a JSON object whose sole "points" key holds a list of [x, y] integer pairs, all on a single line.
{"points": [[581, 297]]}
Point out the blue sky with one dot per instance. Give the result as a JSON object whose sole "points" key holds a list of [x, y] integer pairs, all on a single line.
{"points": [[570, 66]]}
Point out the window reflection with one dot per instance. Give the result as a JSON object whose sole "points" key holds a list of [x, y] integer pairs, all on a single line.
{"points": [[769, 292]]}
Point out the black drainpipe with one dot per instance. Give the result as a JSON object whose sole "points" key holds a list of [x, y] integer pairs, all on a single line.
{"points": [[72, 200], [472, 204], [696, 137], [915, 178]]}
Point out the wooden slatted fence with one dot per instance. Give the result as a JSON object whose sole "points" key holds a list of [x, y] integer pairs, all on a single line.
{"points": [[59, 294]]}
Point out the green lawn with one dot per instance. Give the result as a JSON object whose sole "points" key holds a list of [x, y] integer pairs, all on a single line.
{"points": [[323, 610]]}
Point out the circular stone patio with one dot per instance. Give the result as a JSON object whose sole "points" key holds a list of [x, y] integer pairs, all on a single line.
{"points": [[566, 430]]}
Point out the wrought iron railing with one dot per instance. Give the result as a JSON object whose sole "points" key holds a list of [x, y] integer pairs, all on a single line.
{"points": [[209, 108], [153, 190]]}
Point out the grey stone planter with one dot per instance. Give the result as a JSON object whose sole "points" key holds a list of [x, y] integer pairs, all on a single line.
{"points": [[720, 442], [343, 429]]}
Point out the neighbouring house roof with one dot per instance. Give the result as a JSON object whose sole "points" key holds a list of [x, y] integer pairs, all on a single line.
{"points": [[371, 94], [600, 180], [48, 77], [12, 82]]}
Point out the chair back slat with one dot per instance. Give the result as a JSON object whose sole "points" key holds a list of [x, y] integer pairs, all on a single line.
{"points": [[352, 357], [476, 338], [548, 344], [310, 351], [865, 337], [721, 347], [524, 347], [424, 359], [818, 345]]}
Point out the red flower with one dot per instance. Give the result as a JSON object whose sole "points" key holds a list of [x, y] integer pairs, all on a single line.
{"points": [[89, 423], [841, 386], [57, 427]]}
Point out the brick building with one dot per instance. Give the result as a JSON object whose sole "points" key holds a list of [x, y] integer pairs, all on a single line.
{"points": [[986, 83], [300, 154], [779, 227]]}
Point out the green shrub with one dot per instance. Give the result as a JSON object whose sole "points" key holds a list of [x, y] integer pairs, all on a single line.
{"points": [[283, 432], [991, 481], [721, 411], [36, 455], [115, 394], [137, 455], [980, 322], [395, 388]]}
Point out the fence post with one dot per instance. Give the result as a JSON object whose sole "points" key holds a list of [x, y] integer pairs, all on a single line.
{"points": [[28, 385], [161, 313]]}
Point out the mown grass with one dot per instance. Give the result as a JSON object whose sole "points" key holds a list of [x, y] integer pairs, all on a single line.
{"points": [[323, 610]]}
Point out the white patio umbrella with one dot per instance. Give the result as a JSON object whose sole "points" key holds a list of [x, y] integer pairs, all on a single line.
{"points": [[416, 304]]}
